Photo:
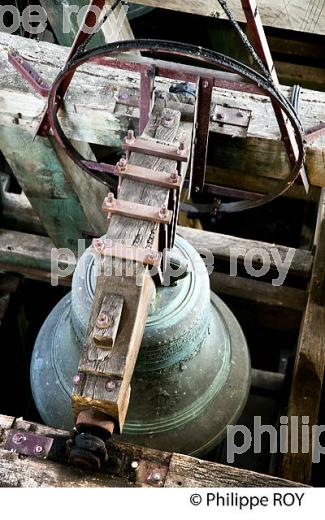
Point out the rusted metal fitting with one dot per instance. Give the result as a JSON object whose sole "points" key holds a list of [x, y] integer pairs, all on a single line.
{"points": [[168, 121], [122, 165], [103, 321], [95, 419], [110, 386], [182, 148], [163, 211], [174, 176], [98, 246], [18, 438], [77, 379], [130, 138], [110, 200]]}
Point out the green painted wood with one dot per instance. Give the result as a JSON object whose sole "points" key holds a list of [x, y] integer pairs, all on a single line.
{"points": [[58, 11], [41, 176]]}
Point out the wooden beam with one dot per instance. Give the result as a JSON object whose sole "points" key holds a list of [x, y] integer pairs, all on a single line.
{"points": [[99, 367], [296, 16], [224, 247], [23, 251], [308, 374], [256, 150], [175, 470]]}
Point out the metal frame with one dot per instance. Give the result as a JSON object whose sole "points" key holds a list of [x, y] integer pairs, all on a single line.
{"points": [[205, 80]]}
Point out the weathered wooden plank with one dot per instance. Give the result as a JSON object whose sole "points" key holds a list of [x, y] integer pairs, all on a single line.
{"points": [[60, 20], [21, 250], [70, 187], [187, 472], [224, 248], [41, 176], [105, 385], [298, 15], [258, 292], [175, 470], [104, 119], [16, 210], [108, 321], [308, 374]]}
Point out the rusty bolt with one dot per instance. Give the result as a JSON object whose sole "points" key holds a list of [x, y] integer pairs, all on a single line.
{"points": [[38, 449], [18, 438], [181, 148], [157, 477], [76, 380], [163, 212], [110, 386], [103, 321], [168, 120], [151, 257], [220, 116], [110, 200], [122, 164], [174, 176], [123, 95], [98, 245], [130, 138]]}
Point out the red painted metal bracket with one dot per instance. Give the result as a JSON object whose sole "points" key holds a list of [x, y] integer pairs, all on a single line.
{"points": [[29, 444], [163, 151], [124, 208], [29, 73], [126, 252], [152, 177]]}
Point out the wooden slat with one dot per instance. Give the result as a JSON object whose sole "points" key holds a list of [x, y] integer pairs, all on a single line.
{"points": [[105, 120], [223, 248], [21, 250], [176, 470], [297, 16], [308, 374]]}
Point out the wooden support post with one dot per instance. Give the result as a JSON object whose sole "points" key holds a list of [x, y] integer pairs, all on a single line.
{"points": [[308, 374], [106, 376], [294, 16]]}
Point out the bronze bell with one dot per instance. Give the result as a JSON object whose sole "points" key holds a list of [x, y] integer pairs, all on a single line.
{"points": [[192, 376]]}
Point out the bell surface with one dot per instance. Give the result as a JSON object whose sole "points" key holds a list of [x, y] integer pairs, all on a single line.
{"points": [[192, 376]]}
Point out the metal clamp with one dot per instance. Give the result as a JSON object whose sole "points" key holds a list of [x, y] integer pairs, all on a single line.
{"points": [[125, 252], [29, 444], [134, 210], [152, 177]]}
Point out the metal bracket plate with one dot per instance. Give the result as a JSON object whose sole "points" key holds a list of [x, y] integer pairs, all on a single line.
{"points": [[124, 252], [29, 444], [154, 149], [137, 211], [152, 177]]}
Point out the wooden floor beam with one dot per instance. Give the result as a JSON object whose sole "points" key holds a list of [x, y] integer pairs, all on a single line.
{"points": [[95, 113], [175, 470]]}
